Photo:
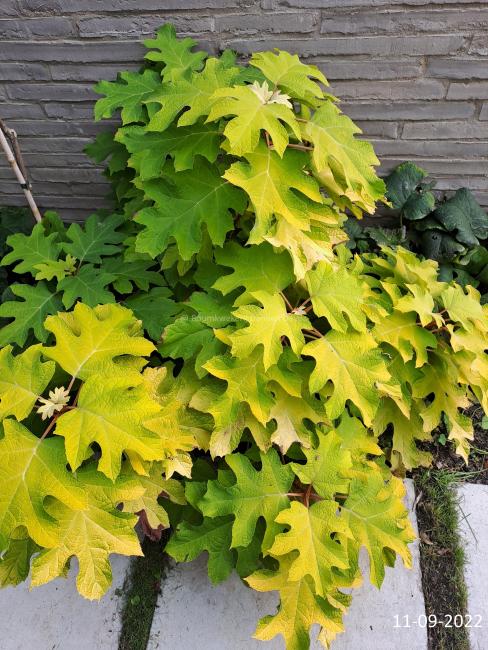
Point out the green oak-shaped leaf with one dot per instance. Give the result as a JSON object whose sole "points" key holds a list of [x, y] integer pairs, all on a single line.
{"points": [[196, 94], [267, 325], [292, 76], [97, 238], [212, 535], [328, 466], [131, 274], [127, 93], [15, 563], [88, 285], [255, 268], [111, 413], [200, 198], [31, 470], [29, 313], [378, 520], [30, 250], [174, 53], [337, 294], [256, 493], [354, 365], [252, 115], [155, 308], [23, 379], [102, 340], [310, 534]]}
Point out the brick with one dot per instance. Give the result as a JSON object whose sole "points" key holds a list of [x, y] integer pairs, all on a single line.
{"points": [[58, 160], [121, 6], [72, 52], [134, 27], [445, 131], [376, 45], [53, 174], [52, 92], [454, 68], [425, 148], [9, 8], [54, 145], [390, 90], [342, 4], [24, 111], [405, 21], [369, 69], [57, 128], [51, 27], [408, 110], [439, 166], [69, 111], [381, 129], [89, 72], [23, 72], [473, 90], [275, 23], [479, 45], [484, 112], [471, 182]]}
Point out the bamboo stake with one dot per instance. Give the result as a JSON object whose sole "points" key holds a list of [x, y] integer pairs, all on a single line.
{"points": [[21, 176]]}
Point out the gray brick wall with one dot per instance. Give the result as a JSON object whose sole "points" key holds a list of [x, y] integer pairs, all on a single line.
{"points": [[412, 73]]}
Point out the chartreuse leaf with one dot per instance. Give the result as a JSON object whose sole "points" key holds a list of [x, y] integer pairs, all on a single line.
{"points": [[310, 534], [378, 520], [127, 93], [96, 341], [256, 493], [354, 365], [89, 534], [300, 608], [344, 164], [279, 188], [253, 113], [32, 470], [112, 415], [30, 250], [154, 485], [292, 416], [196, 94], [291, 75], [403, 333], [98, 237], [267, 325], [29, 313], [464, 306], [22, 379], [255, 268], [200, 197], [58, 269], [337, 294], [175, 54]]}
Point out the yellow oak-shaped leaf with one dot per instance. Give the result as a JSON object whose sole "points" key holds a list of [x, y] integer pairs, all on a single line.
{"points": [[337, 294], [246, 382], [90, 535], [406, 430], [31, 470], [256, 493], [111, 413], [378, 520], [291, 75], [310, 533], [252, 115], [300, 608], [279, 189], [105, 339], [22, 379], [420, 301], [344, 164], [328, 466], [354, 365], [267, 326], [356, 438], [464, 306], [402, 332]]}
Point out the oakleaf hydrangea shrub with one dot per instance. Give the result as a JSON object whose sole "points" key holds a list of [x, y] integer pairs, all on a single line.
{"points": [[298, 378]]}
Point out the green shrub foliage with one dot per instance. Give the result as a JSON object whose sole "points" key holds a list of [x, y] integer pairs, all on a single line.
{"points": [[287, 357]]}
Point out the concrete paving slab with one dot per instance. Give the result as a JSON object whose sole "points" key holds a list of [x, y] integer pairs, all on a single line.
{"points": [[473, 523], [56, 617], [193, 614]]}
